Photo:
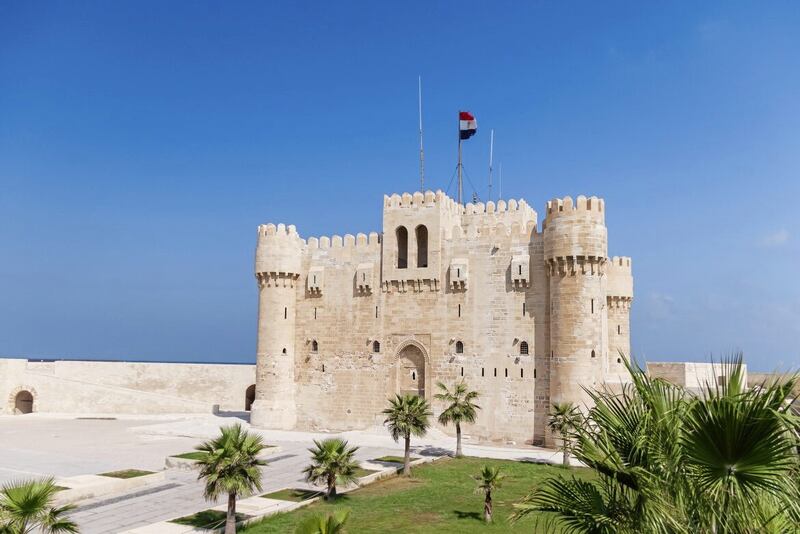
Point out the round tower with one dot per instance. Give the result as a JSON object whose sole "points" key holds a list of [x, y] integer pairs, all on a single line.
{"points": [[575, 251], [277, 269], [619, 297]]}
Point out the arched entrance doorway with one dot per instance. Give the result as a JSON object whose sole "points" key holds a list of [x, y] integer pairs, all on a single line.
{"points": [[411, 371], [23, 402], [249, 397]]}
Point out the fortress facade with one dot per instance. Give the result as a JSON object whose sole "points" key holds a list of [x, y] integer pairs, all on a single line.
{"points": [[447, 292]]}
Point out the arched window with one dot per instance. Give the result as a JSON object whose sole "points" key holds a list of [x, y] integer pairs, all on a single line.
{"points": [[314, 345], [422, 245], [283, 351], [593, 354], [523, 347], [402, 247], [459, 347], [376, 346]]}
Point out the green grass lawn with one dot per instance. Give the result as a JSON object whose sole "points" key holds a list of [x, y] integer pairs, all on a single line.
{"points": [[194, 455], [394, 459], [126, 473], [439, 497], [294, 495], [206, 519], [361, 472]]}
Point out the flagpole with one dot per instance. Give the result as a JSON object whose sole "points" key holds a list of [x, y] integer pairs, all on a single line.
{"points": [[491, 154], [460, 185], [421, 150]]}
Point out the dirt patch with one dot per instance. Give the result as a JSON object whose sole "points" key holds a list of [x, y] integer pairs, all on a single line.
{"points": [[390, 485]]}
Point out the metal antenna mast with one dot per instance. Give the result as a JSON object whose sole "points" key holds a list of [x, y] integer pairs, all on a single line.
{"points": [[421, 150], [501, 181]]}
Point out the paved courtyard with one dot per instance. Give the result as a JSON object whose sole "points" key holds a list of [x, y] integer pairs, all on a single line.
{"points": [[39, 445]]}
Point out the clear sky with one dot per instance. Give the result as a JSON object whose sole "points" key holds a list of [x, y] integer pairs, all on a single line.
{"points": [[141, 143]]}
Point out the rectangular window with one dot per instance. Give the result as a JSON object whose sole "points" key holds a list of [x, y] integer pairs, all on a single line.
{"points": [[506, 372], [462, 371], [376, 312], [482, 374], [521, 373], [592, 305], [285, 313], [459, 310], [523, 309], [619, 329], [495, 372], [534, 373], [315, 313]]}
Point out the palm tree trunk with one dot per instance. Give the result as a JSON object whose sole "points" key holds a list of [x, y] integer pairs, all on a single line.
{"points": [[331, 494], [458, 441], [487, 507], [565, 457], [230, 520], [407, 457]]}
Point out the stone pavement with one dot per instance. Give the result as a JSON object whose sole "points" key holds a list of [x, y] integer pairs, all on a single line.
{"points": [[42, 445]]}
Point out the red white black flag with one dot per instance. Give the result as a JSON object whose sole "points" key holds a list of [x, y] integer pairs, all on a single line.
{"points": [[467, 125]]}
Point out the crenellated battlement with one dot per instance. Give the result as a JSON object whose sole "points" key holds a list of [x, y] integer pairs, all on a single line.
{"points": [[620, 279], [593, 207], [278, 250], [419, 199], [623, 263], [349, 241]]}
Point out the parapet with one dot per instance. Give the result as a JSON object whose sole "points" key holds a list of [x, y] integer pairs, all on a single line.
{"points": [[582, 207], [279, 250], [620, 278], [358, 242], [576, 230]]}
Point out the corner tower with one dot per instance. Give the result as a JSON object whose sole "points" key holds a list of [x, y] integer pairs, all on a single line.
{"points": [[575, 252], [619, 297], [277, 269]]}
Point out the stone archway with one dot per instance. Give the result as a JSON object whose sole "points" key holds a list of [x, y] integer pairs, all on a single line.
{"points": [[23, 402], [22, 399], [249, 397], [411, 370]]}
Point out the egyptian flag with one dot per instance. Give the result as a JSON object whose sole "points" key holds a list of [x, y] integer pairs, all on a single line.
{"points": [[467, 125]]}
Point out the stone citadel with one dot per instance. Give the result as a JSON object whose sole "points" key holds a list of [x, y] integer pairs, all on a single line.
{"points": [[478, 292]]}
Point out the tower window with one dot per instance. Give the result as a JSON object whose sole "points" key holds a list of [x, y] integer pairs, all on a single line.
{"points": [[534, 373], [521, 372], [323, 367], [459, 347], [402, 247], [593, 354], [314, 346], [376, 312], [506, 372], [523, 309], [592, 305], [315, 313], [413, 375], [495, 372], [285, 313], [523, 348], [619, 329], [459, 310], [520, 270], [482, 374], [422, 245], [283, 351], [376, 346], [619, 360], [462, 371]]}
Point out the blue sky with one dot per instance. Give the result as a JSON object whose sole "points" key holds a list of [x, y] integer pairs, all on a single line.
{"points": [[141, 143]]}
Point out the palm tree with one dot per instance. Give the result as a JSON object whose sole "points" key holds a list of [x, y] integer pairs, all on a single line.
{"points": [[406, 416], [489, 480], [564, 420], [230, 466], [668, 460], [324, 524], [332, 462], [28, 507], [460, 408]]}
